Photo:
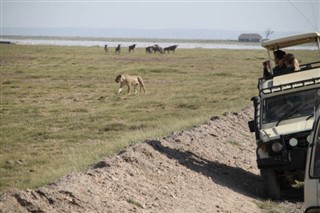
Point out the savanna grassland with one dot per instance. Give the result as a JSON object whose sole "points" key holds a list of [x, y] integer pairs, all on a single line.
{"points": [[60, 111]]}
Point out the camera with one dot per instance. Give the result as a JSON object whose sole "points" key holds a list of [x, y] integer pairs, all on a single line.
{"points": [[266, 64]]}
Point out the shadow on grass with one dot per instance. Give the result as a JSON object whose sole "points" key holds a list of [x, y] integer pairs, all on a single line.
{"points": [[236, 179]]}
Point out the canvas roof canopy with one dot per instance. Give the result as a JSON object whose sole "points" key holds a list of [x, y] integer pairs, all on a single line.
{"points": [[280, 43]]}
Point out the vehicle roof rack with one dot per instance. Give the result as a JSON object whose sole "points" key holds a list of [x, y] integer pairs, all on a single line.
{"points": [[293, 85]]}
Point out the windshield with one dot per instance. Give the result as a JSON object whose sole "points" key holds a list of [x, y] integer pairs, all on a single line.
{"points": [[289, 106]]}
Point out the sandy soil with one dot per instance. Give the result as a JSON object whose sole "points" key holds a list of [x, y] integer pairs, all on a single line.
{"points": [[209, 168]]}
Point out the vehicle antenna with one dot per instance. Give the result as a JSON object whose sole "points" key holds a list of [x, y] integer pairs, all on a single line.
{"points": [[314, 15], [313, 26]]}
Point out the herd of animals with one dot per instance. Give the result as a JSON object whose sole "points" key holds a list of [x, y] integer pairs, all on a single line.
{"points": [[150, 49]]}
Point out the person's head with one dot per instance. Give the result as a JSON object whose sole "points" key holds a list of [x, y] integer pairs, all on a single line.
{"points": [[291, 62], [278, 57], [288, 59]]}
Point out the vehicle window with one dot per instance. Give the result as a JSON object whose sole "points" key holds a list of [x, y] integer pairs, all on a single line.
{"points": [[317, 153], [289, 106]]}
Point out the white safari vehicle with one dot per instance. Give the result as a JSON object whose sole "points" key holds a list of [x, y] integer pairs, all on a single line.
{"points": [[312, 178], [283, 117]]}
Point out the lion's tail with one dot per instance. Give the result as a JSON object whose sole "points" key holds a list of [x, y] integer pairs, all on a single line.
{"points": [[142, 84]]}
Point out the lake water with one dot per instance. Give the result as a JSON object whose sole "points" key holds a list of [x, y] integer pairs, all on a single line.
{"points": [[112, 44], [139, 44]]}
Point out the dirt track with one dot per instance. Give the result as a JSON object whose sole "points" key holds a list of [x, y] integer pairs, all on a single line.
{"points": [[209, 168]]}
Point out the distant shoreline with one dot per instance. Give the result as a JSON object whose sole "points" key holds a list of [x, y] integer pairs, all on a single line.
{"points": [[124, 33], [125, 42], [77, 38], [140, 42]]}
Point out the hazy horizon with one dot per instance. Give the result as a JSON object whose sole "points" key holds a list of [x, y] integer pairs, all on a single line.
{"points": [[210, 19], [136, 33]]}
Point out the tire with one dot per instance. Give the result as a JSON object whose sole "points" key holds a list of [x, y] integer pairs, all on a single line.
{"points": [[271, 184]]}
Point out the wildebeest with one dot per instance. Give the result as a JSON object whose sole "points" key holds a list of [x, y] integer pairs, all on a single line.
{"points": [[157, 48], [154, 49], [170, 48], [118, 49], [149, 49], [132, 47], [106, 48]]}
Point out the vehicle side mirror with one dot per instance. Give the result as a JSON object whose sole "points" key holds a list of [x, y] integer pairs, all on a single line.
{"points": [[251, 126]]}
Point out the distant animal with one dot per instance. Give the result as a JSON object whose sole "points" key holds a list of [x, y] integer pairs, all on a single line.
{"points": [[157, 48], [154, 49], [129, 81], [131, 48], [106, 48], [149, 49], [118, 49], [170, 48]]}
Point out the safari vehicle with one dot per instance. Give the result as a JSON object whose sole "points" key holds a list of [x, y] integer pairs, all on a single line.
{"points": [[312, 177], [283, 118]]}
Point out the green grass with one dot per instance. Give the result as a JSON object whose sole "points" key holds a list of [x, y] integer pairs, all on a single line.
{"points": [[60, 111]]}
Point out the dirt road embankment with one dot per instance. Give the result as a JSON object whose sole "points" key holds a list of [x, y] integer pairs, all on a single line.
{"points": [[209, 168]]}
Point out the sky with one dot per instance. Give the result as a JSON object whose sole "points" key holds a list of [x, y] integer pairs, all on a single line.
{"points": [[250, 16]]}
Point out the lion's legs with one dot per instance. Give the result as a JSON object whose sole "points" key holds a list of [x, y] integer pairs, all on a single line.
{"points": [[120, 88], [144, 89], [135, 89], [129, 88]]}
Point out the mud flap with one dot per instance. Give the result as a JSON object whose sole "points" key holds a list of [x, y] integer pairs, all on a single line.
{"points": [[271, 185]]}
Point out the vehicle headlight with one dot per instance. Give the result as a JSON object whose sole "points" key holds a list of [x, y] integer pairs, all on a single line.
{"points": [[262, 153], [276, 147], [293, 142], [309, 138]]}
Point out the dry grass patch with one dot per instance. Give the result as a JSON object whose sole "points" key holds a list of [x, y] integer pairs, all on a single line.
{"points": [[60, 111]]}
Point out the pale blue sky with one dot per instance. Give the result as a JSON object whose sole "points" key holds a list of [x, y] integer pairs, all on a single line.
{"points": [[288, 15]]}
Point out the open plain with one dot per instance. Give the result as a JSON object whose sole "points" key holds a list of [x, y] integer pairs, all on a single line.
{"points": [[61, 114]]}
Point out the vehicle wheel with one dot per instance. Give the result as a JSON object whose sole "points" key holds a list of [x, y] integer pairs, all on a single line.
{"points": [[271, 184]]}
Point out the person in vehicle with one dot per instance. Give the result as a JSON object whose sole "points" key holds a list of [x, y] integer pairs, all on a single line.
{"points": [[291, 62], [279, 69]]}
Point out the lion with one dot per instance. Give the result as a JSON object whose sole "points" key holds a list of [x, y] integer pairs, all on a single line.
{"points": [[130, 80]]}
